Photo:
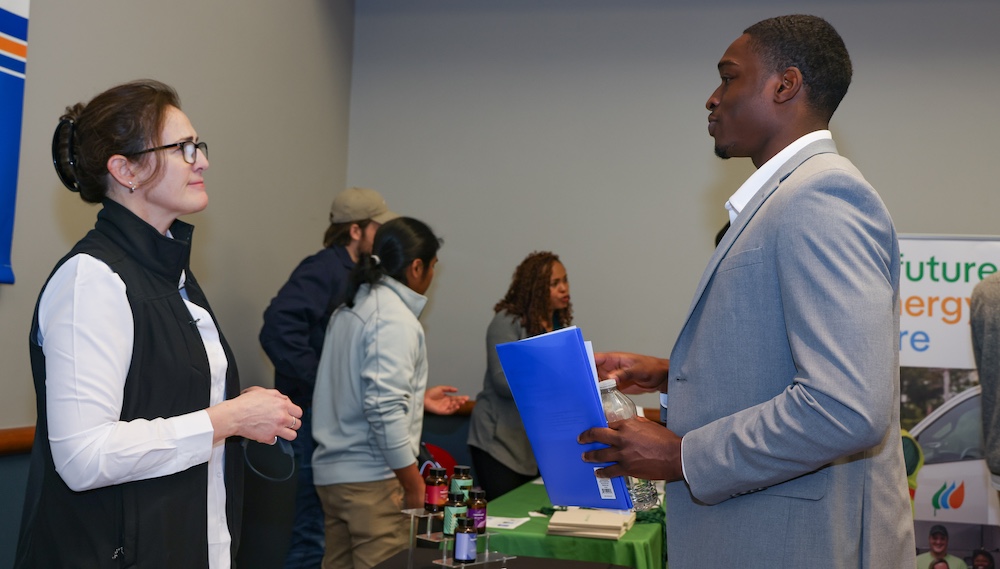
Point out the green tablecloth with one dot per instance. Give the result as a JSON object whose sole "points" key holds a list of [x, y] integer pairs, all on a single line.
{"points": [[641, 547]]}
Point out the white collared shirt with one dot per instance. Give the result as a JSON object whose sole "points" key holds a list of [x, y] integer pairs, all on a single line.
{"points": [[86, 332], [749, 189]]}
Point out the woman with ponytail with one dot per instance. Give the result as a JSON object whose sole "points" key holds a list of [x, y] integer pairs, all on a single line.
{"points": [[368, 405]]}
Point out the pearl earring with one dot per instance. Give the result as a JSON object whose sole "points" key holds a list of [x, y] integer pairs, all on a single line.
{"points": [[131, 190]]}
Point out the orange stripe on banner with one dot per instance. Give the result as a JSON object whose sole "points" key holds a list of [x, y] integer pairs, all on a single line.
{"points": [[12, 47]]}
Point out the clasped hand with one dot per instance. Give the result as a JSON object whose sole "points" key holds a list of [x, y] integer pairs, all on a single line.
{"points": [[257, 414]]}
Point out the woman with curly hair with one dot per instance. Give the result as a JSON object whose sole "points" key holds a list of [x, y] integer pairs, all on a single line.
{"points": [[537, 302]]}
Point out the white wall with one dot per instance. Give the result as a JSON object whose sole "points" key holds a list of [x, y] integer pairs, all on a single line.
{"points": [[265, 83], [579, 126]]}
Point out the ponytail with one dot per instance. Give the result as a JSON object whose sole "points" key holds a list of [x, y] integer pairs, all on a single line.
{"points": [[397, 244]]}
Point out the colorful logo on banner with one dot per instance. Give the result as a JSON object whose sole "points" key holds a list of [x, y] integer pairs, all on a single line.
{"points": [[937, 275], [948, 497], [13, 63]]}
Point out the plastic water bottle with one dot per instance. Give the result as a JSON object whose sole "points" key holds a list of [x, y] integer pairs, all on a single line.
{"points": [[617, 407]]}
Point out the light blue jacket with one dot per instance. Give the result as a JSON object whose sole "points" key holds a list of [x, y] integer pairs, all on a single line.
{"points": [[368, 406]]}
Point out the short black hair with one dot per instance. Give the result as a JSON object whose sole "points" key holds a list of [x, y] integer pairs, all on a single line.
{"points": [[812, 45]]}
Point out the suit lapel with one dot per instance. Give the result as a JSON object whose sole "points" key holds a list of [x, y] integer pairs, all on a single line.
{"points": [[819, 147]]}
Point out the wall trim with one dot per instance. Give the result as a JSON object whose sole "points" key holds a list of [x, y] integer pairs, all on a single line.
{"points": [[17, 440]]}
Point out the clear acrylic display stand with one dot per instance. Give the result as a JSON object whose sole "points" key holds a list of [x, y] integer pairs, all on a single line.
{"points": [[487, 556]]}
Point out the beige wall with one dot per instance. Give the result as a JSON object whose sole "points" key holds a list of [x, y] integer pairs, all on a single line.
{"points": [[265, 83]]}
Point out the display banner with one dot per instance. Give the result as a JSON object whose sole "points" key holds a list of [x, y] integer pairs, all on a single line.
{"points": [[937, 370], [13, 62], [937, 275]]}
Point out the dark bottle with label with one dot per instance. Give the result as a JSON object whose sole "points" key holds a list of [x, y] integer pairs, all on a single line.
{"points": [[436, 490], [477, 509], [465, 541], [461, 480], [454, 507]]}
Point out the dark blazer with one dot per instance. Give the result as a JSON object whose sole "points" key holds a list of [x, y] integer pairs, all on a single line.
{"points": [[295, 321]]}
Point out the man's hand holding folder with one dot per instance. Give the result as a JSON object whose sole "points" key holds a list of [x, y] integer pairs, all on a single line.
{"points": [[640, 447]]}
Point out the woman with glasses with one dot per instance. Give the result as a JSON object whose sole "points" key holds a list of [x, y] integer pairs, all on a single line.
{"points": [[136, 458], [536, 302], [368, 405]]}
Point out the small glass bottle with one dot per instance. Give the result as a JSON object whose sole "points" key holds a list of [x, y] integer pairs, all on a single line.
{"points": [[477, 509], [461, 480], [454, 507], [617, 407], [436, 490], [465, 541]]}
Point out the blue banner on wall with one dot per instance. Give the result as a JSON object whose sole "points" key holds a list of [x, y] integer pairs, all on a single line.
{"points": [[13, 62]]}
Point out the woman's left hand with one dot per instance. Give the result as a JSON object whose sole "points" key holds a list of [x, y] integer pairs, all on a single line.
{"points": [[437, 400]]}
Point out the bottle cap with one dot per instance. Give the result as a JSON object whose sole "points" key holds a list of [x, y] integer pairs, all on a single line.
{"points": [[607, 383], [461, 469], [477, 494], [437, 471], [465, 521], [456, 497]]}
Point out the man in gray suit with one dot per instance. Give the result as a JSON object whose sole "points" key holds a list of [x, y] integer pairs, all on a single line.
{"points": [[782, 446]]}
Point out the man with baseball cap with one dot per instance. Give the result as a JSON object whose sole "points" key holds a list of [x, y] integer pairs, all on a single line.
{"points": [[938, 543], [294, 326]]}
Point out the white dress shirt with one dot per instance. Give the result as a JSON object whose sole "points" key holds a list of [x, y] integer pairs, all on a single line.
{"points": [[756, 180], [86, 333]]}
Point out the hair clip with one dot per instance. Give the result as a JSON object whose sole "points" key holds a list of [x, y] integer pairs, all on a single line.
{"points": [[68, 179]]}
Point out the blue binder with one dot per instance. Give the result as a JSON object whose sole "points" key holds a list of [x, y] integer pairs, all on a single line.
{"points": [[553, 385]]}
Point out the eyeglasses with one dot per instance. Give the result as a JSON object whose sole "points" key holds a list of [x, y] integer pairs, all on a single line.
{"points": [[189, 147]]}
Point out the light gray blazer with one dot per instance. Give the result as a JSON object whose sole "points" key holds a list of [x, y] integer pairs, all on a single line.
{"points": [[784, 383], [985, 321], [495, 425]]}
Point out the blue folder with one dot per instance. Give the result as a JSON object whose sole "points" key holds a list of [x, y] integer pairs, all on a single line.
{"points": [[552, 381]]}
